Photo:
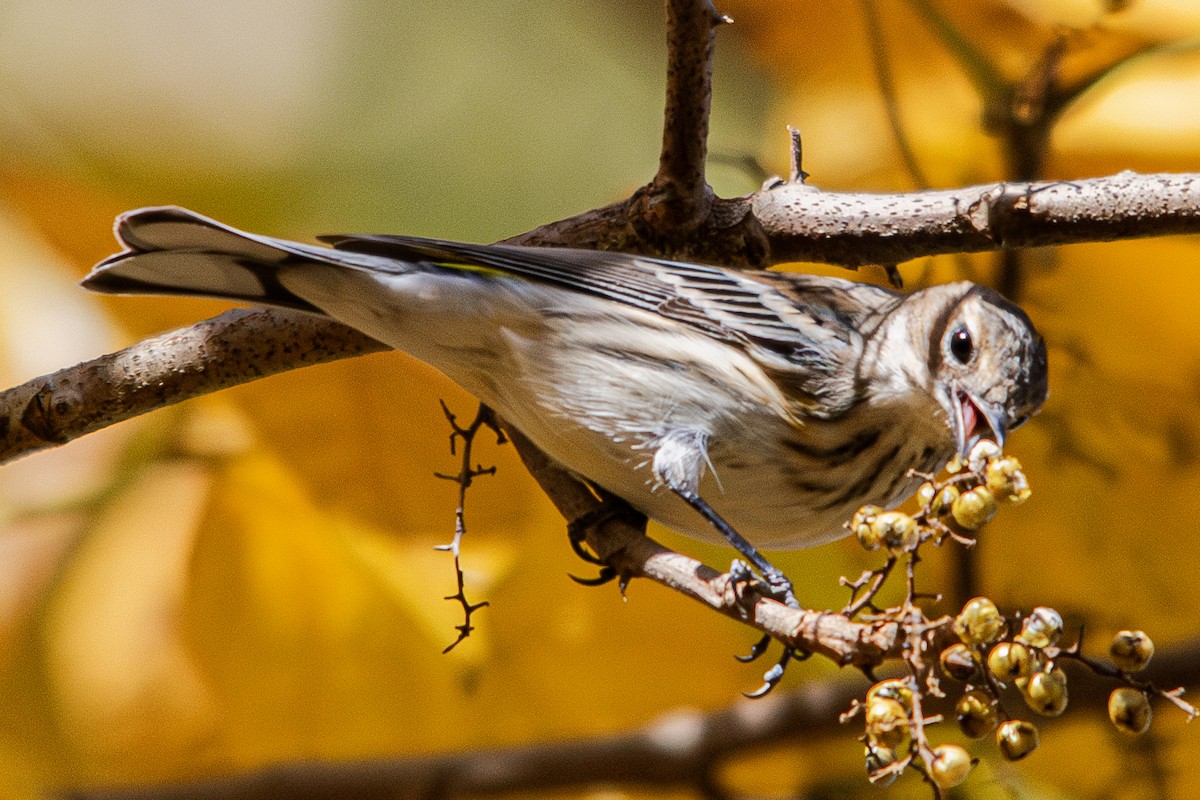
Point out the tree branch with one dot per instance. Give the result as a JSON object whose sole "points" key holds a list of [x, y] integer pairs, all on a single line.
{"points": [[678, 750], [790, 221], [805, 224], [632, 554], [235, 347], [798, 221], [684, 196]]}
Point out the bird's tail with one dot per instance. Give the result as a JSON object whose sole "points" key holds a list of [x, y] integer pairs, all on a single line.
{"points": [[171, 250]]}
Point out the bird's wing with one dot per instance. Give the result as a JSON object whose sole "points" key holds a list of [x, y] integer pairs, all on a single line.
{"points": [[804, 329]]}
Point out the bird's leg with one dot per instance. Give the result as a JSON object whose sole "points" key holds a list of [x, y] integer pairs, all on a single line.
{"points": [[780, 586], [679, 462]]}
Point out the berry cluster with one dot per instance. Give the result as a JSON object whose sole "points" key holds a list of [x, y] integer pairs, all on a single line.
{"points": [[979, 647]]}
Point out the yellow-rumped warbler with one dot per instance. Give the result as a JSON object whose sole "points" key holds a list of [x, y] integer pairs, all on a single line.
{"points": [[770, 405]]}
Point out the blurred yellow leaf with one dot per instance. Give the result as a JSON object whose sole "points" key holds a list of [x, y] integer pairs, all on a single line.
{"points": [[125, 688]]}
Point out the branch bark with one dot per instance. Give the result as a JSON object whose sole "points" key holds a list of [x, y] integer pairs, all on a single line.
{"points": [[680, 750], [797, 221], [683, 196], [804, 224], [229, 349]]}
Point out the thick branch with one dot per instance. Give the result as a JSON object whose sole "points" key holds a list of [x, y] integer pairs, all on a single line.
{"points": [[679, 750], [805, 224], [799, 223], [684, 194], [235, 347]]}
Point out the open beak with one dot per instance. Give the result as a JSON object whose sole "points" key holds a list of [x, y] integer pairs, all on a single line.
{"points": [[975, 420]]}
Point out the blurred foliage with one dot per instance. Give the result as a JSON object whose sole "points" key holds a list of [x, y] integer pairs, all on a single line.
{"points": [[250, 578]]}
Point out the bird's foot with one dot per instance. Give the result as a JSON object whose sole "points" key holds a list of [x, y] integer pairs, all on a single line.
{"points": [[773, 583], [779, 588], [614, 508]]}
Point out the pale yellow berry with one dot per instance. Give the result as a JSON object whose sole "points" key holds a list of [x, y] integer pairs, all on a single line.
{"points": [[863, 527], [1007, 481], [950, 766], [1129, 710], [984, 451], [897, 531], [1017, 739], [1131, 651], [979, 622], [960, 662], [1046, 692], [976, 715], [1042, 628], [943, 501], [973, 508], [894, 689], [925, 493], [1008, 661], [887, 722]]}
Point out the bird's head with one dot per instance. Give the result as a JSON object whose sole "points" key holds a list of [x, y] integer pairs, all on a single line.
{"points": [[988, 366]]}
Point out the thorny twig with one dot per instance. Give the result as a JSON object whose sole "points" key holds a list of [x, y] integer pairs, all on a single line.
{"points": [[465, 477]]}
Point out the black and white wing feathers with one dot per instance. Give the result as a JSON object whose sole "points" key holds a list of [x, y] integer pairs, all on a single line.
{"points": [[806, 331]]}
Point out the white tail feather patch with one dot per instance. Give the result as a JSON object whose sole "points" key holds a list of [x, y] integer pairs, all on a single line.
{"points": [[198, 235], [213, 274]]}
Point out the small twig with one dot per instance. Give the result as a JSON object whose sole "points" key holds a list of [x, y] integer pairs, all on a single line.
{"points": [[887, 90], [465, 477], [877, 578], [1107, 670], [983, 73], [797, 175]]}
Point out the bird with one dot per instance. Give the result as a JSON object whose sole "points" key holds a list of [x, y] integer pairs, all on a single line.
{"points": [[752, 407]]}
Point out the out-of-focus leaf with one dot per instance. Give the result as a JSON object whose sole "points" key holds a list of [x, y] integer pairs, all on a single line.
{"points": [[46, 324], [1146, 114], [124, 687]]}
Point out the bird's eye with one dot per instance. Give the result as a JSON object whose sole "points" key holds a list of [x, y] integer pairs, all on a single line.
{"points": [[961, 346]]}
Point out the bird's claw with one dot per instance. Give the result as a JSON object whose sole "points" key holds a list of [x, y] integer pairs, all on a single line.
{"points": [[773, 676], [613, 508], [756, 650], [778, 587], [606, 575]]}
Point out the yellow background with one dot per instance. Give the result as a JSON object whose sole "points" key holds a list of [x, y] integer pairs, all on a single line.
{"points": [[249, 578]]}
